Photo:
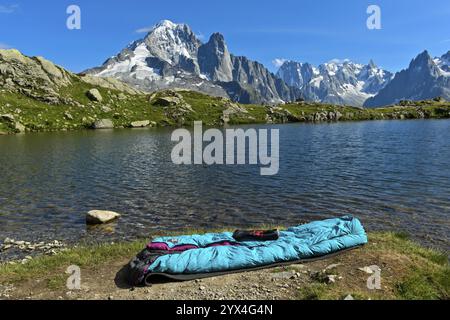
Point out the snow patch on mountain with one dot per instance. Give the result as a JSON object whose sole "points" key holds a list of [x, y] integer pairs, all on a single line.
{"points": [[134, 65], [443, 63]]}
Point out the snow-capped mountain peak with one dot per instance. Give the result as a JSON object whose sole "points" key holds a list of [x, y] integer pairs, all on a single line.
{"points": [[167, 49], [336, 81], [171, 56], [169, 41], [167, 24]]}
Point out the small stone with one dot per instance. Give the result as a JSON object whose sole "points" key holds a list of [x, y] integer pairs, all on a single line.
{"points": [[8, 240], [6, 247], [202, 288], [349, 297], [331, 279], [366, 270], [332, 266], [51, 252], [68, 116], [284, 275], [106, 109]]}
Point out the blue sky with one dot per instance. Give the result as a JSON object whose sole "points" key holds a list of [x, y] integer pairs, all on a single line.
{"points": [[312, 31]]}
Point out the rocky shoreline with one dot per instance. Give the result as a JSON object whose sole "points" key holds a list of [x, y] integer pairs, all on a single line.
{"points": [[28, 250]]}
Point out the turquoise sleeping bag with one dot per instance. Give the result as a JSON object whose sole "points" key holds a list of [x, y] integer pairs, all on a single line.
{"points": [[205, 254]]}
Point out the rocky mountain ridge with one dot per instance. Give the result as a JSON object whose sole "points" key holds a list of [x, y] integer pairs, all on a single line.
{"points": [[425, 78]]}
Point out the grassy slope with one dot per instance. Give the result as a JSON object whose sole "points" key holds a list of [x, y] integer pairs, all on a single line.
{"points": [[38, 116], [409, 270]]}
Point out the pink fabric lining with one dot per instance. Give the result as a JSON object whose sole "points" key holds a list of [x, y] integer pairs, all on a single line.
{"points": [[161, 246], [164, 247]]}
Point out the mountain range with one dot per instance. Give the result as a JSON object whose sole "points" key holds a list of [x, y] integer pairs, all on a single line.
{"points": [[335, 82], [171, 56]]}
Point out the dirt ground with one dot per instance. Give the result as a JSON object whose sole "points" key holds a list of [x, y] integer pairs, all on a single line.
{"points": [[338, 276]]}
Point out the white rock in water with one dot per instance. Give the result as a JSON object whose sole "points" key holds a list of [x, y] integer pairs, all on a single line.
{"points": [[100, 216]]}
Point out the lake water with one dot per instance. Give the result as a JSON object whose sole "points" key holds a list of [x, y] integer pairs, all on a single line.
{"points": [[393, 175]]}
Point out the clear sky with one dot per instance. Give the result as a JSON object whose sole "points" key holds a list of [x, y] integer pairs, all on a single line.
{"points": [[314, 31]]}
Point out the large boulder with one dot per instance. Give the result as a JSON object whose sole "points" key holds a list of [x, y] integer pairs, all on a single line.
{"points": [[94, 95], [7, 117], [167, 101], [103, 124], [101, 216], [166, 98], [11, 122], [20, 128]]}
